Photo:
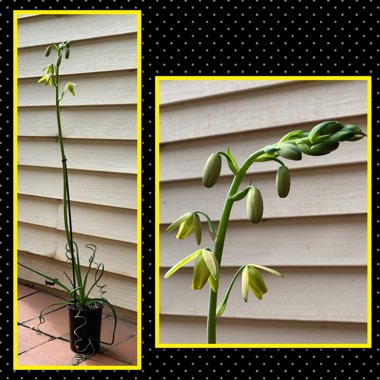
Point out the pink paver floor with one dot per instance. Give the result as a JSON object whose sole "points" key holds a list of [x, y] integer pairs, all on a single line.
{"points": [[51, 346]]}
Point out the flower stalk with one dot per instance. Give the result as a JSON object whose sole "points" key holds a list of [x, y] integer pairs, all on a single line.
{"points": [[78, 293]]}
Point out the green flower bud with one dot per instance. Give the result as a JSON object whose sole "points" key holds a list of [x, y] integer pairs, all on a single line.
{"points": [[347, 132], [48, 50], [325, 128], [283, 181], [67, 53], [304, 148], [323, 148], [318, 149], [271, 149], [255, 206], [220, 309], [357, 137], [289, 151], [59, 60], [211, 171]]}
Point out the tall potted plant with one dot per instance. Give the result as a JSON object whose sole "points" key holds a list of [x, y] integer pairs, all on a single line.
{"points": [[322, 139], [85, 311]]}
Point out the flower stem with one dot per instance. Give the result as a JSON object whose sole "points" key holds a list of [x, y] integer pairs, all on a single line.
{"points": [[219, 242], [66, 200]]}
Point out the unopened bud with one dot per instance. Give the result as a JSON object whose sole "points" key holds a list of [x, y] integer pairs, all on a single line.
{"points": [[323, 148], [283, 181], [48, 50], [211, 171], [220, 309], [304, 148], [59, 60], [289, 151], [67, 53], [325, 128], [357, 137], [255, 206], [347, 132], [318, 149]]}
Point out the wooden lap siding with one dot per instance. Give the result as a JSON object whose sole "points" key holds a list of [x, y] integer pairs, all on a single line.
{"points": [[316, 236], [99, 127]]}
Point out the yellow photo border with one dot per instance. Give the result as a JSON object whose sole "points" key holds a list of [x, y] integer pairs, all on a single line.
{"points": [[15, 186], [368, 79]]}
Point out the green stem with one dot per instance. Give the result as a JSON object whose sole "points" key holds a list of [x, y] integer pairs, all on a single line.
{"points": [[219, 242], [66, 201]]}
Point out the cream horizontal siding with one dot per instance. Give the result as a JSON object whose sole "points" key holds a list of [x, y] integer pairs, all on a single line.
{"points": [[120, 50], [100, 131], [118, 189], [262, 108], [173, 92], [278, 242], [305, 294], [194, 153], [95, 123], [52, 243], [45, 29], [176, 329], [321, 191], [110, 156], [316, 236], [95, 89]]}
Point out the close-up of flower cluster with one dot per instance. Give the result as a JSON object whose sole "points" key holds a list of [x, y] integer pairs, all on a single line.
{"points": [[323, 139]]}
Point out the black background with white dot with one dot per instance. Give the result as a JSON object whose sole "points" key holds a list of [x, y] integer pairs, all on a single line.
{"points": [[212, 37]]}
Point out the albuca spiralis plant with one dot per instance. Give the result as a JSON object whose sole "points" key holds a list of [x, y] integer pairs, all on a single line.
{"points": [[320, 140], [79, 288]]}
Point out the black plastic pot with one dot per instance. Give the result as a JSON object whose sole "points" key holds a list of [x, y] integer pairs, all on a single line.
{"points": [[85, 328]]}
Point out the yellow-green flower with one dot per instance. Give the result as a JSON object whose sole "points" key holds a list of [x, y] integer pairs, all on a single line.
{"points": [[206, 268], [251, 279]]}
